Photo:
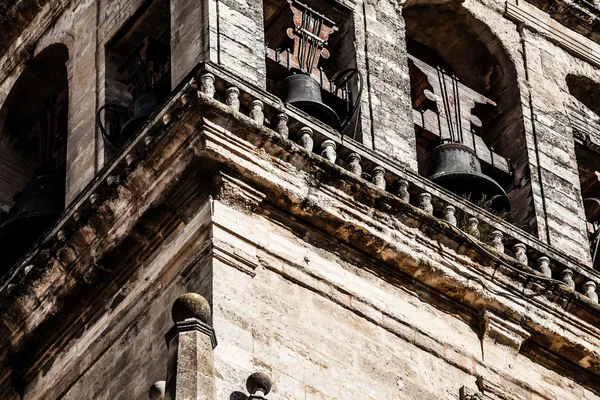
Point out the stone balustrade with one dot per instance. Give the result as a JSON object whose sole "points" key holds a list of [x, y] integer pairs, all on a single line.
{"points": [[263, 112], [498, 236]]}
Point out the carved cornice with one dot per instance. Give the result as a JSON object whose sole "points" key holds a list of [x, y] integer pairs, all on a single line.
{"points": [[189, 133], [192, 325], [542, 23]]}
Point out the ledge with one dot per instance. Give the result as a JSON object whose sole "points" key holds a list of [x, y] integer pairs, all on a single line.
{"points": [[151, 164]]}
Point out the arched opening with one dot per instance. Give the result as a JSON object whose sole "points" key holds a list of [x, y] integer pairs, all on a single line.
{"points": [[137, 74], [311, 60], [33, 150], [465, 91], [584, 114]]}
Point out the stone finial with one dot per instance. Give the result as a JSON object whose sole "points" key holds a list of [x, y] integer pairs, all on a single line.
{"points": [[256, 111], [232, 98], [379, 177], [191, 340], [473, 227], [589, 290], [520, 253], [259, 382], [544, 266], [281, 126], [305, 138], [157, 391], [208, 84], [567, 277], [354, 164], [450, 216], [190, 305], [495, 239], [328, 150], [403, 190], [425, 202]]}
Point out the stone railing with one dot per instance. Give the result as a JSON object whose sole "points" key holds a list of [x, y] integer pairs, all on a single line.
{"points": [[213, 85], [494, 235]]}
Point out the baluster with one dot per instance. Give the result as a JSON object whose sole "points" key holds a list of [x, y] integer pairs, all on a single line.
{"points": [[520, 253], [403, 190], [496, 241], [567, 277], [112, 180], [379, 177], [148, 140], [590, 291], [232, 98], [281, 126], [450, 216], [130, 159], [305, 138], [354, 164], [95, 199], [208, 84], [185, 98], [328, 150], [473, 227], [544, 266], [256, 111], [425, 202]]}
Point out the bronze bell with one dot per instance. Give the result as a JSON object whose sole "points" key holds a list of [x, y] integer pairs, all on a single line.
{"points": [[456, 167], [144, 105], [304, 92]]}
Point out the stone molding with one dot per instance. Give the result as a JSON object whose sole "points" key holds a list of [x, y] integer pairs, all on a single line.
{"points": [[503, 330], [189, 325], [259, 153], [542, 23]]}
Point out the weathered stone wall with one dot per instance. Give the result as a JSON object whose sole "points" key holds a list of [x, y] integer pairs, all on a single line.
{"points": [[310, 312], [325, 320], [232, 35]]}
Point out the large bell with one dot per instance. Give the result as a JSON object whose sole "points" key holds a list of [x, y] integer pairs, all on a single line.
{"points": [[144, 105], [304, 92], [456, 167], [40, 203]]}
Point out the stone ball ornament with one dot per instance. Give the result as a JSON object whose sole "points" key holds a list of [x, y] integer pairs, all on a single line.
{"points": [[190, 305], [258, 382], [157, 391]]}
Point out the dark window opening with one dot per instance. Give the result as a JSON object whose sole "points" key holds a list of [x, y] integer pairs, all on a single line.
{"points": [[584, 114], [467, 111], [311, 60], [33, 150], [138, 75]]}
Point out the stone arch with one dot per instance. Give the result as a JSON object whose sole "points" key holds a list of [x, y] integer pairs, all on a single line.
{"points": [[33, 148], [448, 35]]}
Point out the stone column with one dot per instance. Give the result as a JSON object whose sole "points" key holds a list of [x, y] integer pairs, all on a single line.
{"points": [[226, 32], [190, 370], [390, 130]]}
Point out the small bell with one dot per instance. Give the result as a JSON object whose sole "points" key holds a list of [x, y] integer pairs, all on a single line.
{"points": [[144, 105], [455, 167], [304, 92]]}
